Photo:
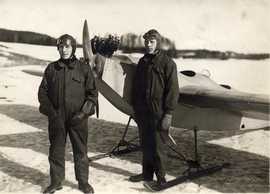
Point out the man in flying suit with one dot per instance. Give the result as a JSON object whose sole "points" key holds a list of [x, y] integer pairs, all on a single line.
{"points": [[155, 96], [67, 96]]}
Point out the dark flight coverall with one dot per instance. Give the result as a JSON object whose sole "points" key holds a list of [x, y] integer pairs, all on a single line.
{"points": [[68, 87], [156, 93]]}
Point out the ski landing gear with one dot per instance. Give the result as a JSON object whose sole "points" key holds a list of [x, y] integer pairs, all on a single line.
{"points": [[123, 147], [195, 169]]}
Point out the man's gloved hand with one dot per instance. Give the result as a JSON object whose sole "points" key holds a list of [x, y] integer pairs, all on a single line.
{"points": [[166, 122], [88, 108], [78, 118], [165, 130]]}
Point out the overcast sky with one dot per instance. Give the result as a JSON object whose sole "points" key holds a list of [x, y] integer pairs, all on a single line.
{"points": [[240, 25]]}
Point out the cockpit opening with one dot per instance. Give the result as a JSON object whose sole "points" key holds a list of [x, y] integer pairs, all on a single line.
{"points": [[188, 73], [226, 86]]}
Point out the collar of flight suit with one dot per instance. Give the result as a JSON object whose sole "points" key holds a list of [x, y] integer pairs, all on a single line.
{"points": [[155, 59], [70, 63]]}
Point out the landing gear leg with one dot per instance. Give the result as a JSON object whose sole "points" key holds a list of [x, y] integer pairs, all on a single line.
{"points": [[123, 146]]}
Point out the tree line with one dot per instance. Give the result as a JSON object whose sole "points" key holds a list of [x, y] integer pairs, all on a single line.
{"points": [[130, 43], [26, 37]]}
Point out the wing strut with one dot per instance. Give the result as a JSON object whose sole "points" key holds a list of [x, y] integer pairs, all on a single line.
{"points": [[123, 147]]}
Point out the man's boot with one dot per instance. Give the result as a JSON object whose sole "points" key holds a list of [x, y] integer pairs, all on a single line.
{"points": [[136, 178], [161, 180], [52, 188], [86, 188], [154, 186]]}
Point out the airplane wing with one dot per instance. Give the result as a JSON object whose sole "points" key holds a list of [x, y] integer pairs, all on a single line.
{"points": [[200, 90], [249, 105], [34, 72], [205, 104]]}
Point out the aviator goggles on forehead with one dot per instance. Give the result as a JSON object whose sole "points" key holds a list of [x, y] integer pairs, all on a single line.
{"points": [[63, 42]]}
